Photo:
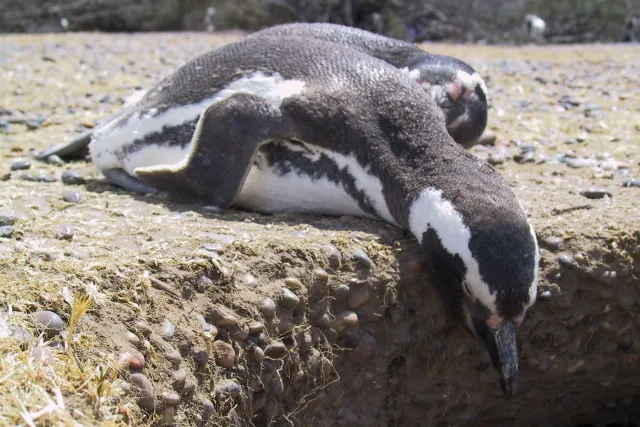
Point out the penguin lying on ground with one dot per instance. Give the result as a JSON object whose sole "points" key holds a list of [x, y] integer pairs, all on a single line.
{"points": [[283, 124], [457, 88]]}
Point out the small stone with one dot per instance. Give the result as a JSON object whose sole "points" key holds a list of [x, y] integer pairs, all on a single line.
{"points": [[323, 321], [321, 274], [276, 387], [342, 292], [20, 164], [565, 260], [189, 388], [259, 400], [171, 399], [203, 283], [554, 243], [497, 158], [147, 397], [357, 297], [214, 247], [26, 176], [7, 219], [545, 295], [174, 357], [258, 354], [595, 193], [231, 388], [288, 299], [625, 344], [250, 280], [487, 138], [577, 163], [65, 232], [136, 361], [293, 283], [224, 353], [346, 319], [50, 322], [22, 335], [207, 410], [361, 256], [201, 357], [168, 329], [71, 196], [6, 231], [631, 183], [241, 333], [72, 177], [5, 176], [54, 159], [276, 350], [179, 378], [577, 368], [132, 338], [256, 328], [143, 328], [268, 308], [43, 177]]}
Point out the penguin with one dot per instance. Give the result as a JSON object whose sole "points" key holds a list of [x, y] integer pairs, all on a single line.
{"points": [[457, 88], [282, 124]]}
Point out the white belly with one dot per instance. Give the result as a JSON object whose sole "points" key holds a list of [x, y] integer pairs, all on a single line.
{"points": [[266, 191]]}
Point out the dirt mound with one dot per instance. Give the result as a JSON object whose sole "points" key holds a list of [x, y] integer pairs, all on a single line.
{"points": [[234, 318]]}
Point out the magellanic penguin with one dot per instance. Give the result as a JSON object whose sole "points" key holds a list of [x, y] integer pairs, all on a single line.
{"points": [[283, 124], [456, 87]]}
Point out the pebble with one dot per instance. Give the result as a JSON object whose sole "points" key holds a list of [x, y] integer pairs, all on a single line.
{"points": [[497, 157], [189, 388], [65, 232], [147, 395], [22, 335], [259, 400], [136, 361], [143, 328], [321, 274], [276, 387], [357, 297], [565, 260], [171, 399], [54, 159], [224, 353], [577, 368], [5, 176], [72, 177], [168, 329], [293, 283], [545, 295], [207, 410], [26, 176], [20, 164], [174, 357], [555, 243], [241, 333], [43, 177], [258, 354], [625, 344], [268, 308], [276, 350], [256, 327], [288, 299], [631, 183], [7, 219], [231, 388], [214, 247], [577, 163], [595, 193], [224, 318], [203, 283], [179, 378], [6, 231], [487, 138], [342, 292], [71, 196], [168, 414], [201, 357], [361, 256], [323, 321], [346, 319], [50, 322]]}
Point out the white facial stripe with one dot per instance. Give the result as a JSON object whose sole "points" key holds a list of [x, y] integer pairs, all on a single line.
{"points": [[470, 81], [431, 210], [109, 140]]}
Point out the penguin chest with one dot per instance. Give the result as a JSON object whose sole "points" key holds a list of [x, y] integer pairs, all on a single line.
{"points": [[291, 176]]}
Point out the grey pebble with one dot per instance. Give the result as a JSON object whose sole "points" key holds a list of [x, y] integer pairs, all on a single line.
{"points": [[497, 158], [595, 193], [54, 159], [147, 398], [171, 399], [555, 243], [72, 177], [268, 308], [22, 335], [288, 299], [258, 354], [203, 283], [50, 322], [7, 219], [276, 387], [565, 260], [143, 328], [179, 378], [545, 295], [43, 177], [174, 357], [577, 163], [214, 247], [487, 138], [342, 292], [20, 164], [201, 357], [231, 388], [276, 350], [26, 176], [6, 231], [207, 410], [631, 183], [65, 232], [33, 124], [361, 256], [71, 196], [168, 329]]}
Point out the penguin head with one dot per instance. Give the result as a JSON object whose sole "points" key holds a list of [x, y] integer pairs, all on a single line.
{"points": [[485, 270], [460, 93]]}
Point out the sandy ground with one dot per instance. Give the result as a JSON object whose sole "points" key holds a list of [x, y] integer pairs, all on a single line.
{"points": [[178, 294]]}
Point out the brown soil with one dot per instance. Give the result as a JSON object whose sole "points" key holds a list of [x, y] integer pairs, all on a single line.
{"points": [[404, 363]]}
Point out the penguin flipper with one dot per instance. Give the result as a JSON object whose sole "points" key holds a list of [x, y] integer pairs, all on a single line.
{"points": [[75, 149], [120, 178], [222, 150]]}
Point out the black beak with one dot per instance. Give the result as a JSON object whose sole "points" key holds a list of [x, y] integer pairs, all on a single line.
{"points": [[501, 344]]}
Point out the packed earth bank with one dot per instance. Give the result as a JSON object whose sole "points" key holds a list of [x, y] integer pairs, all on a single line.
{"points": [[238, 318]]}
